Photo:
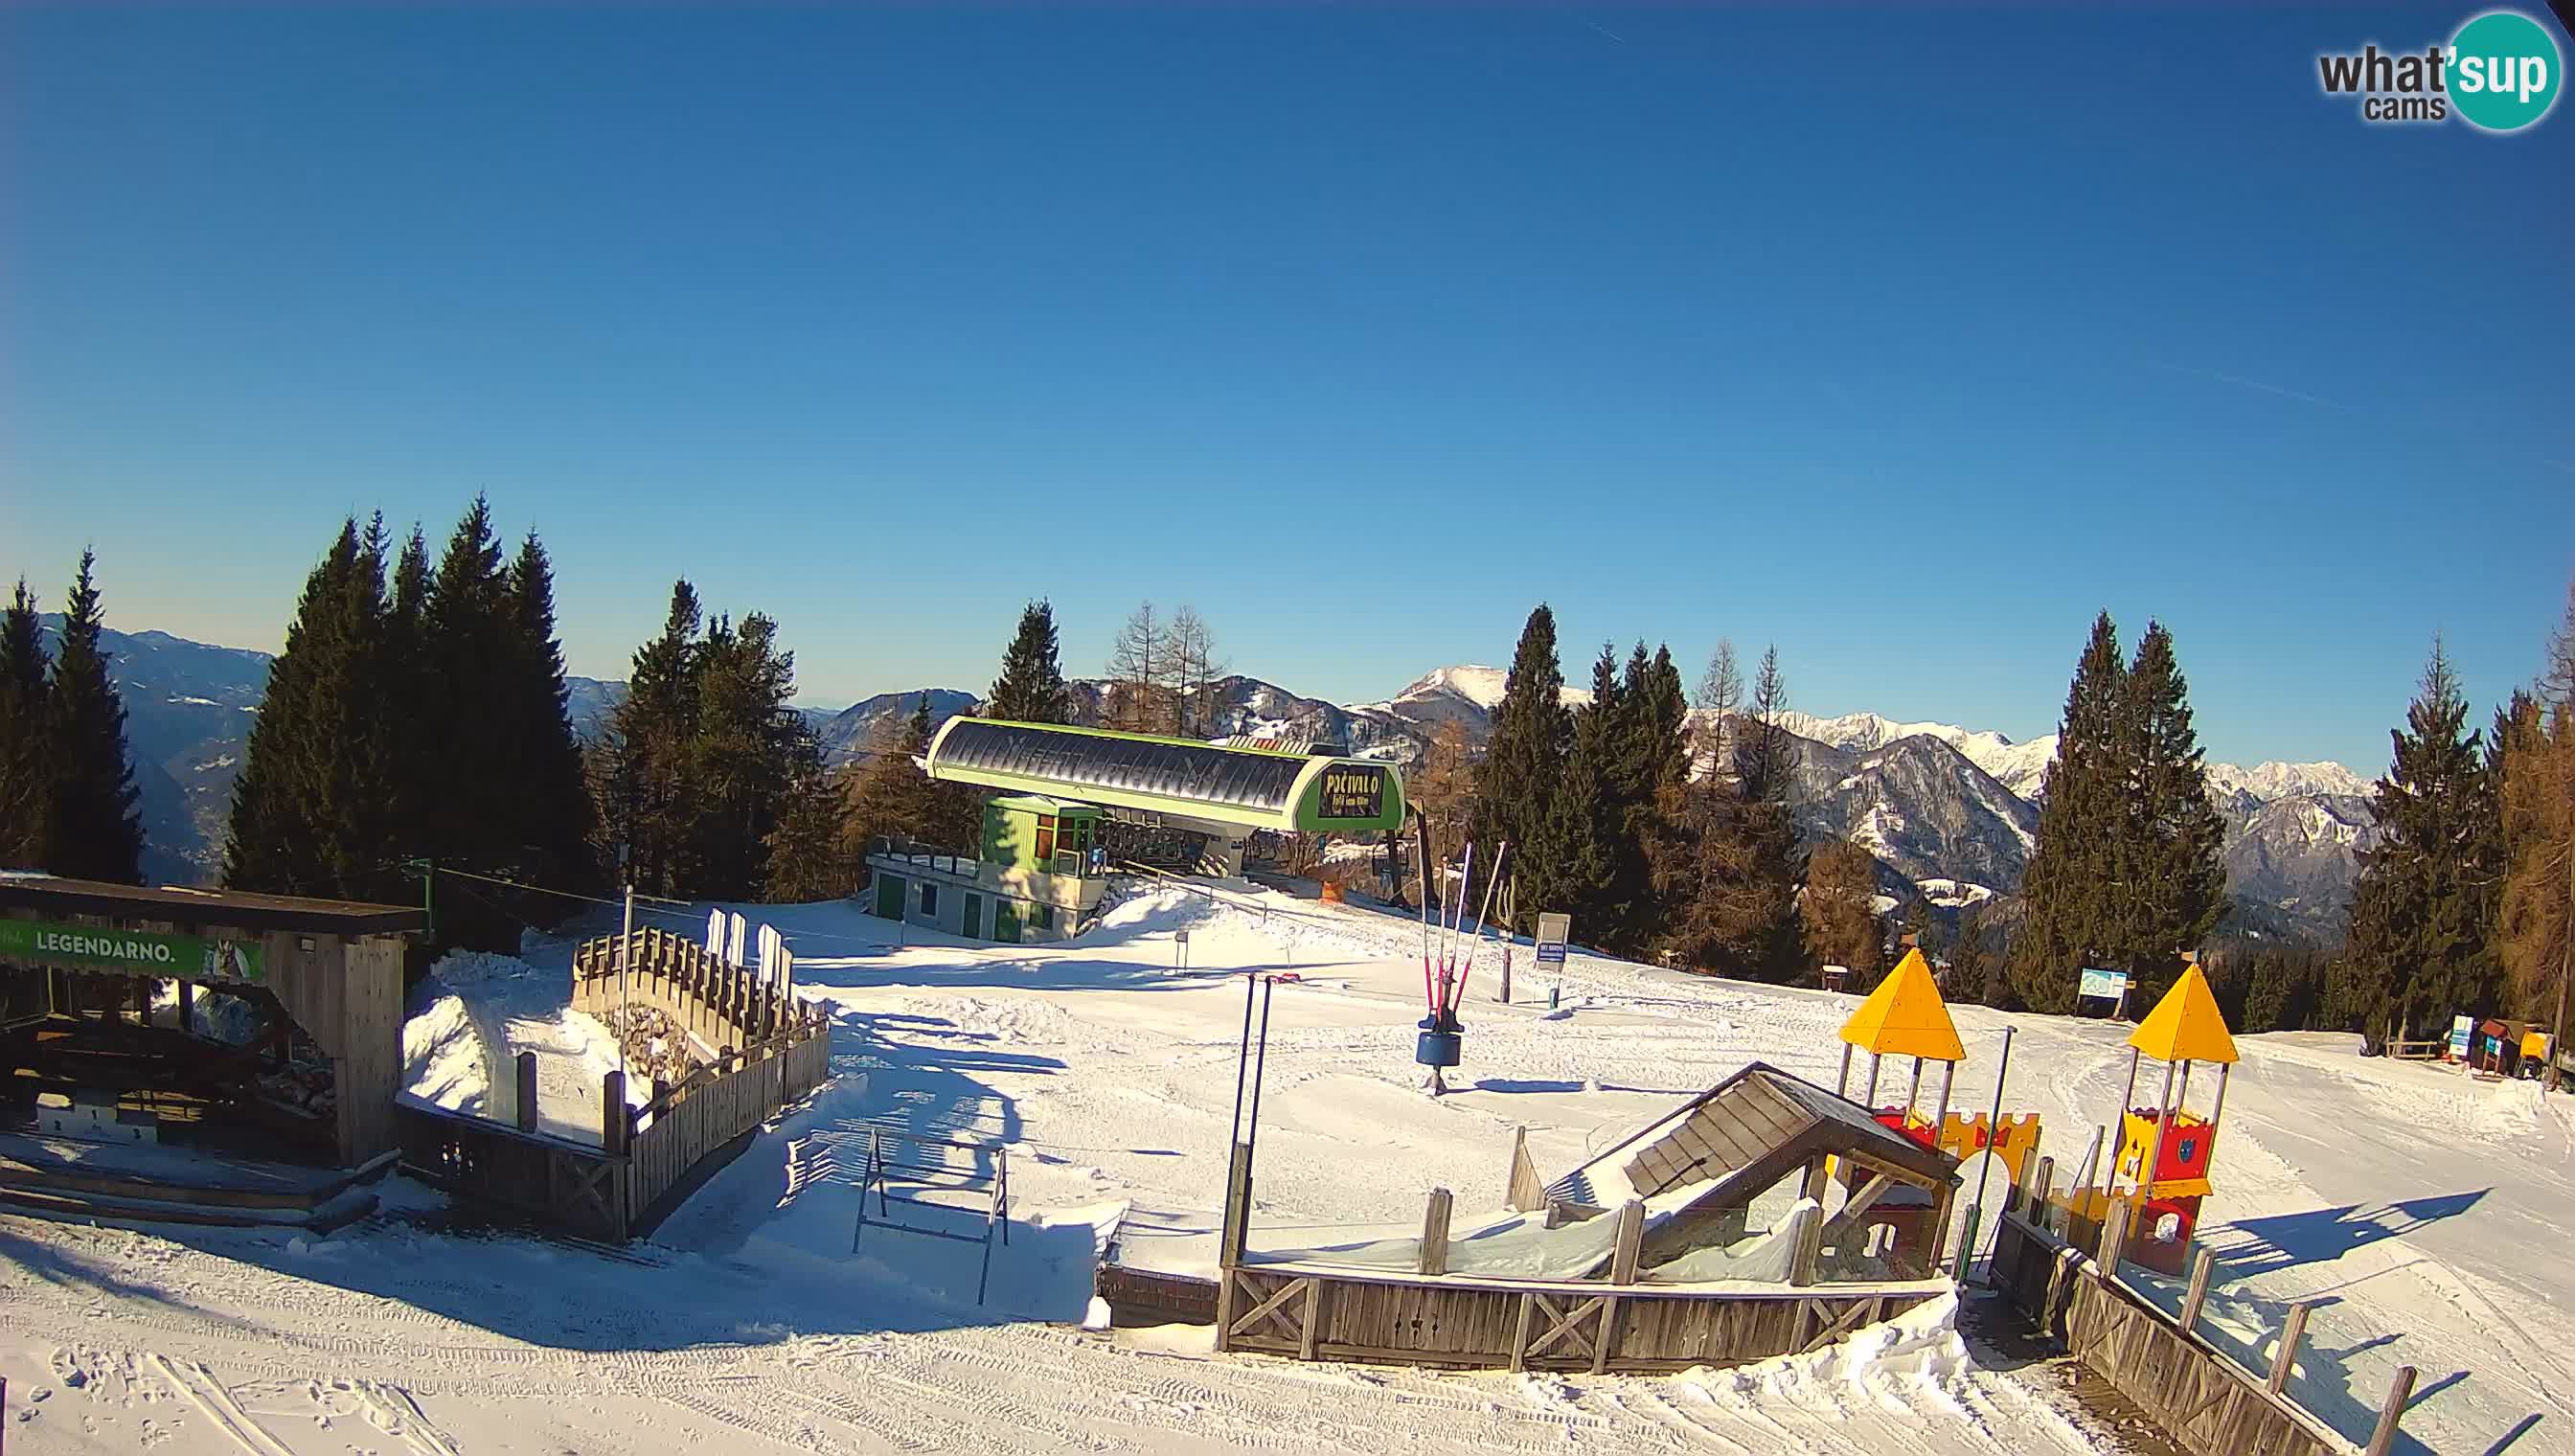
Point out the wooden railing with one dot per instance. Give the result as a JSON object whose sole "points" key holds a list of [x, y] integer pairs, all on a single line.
{"points": [[648, 1157], [719, 1005]]}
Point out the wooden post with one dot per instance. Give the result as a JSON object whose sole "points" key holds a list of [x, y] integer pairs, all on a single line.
{"points": [[2201, 1267], [527, 1091], [187, 1006], [1630, 1245], [1802, 1271], [1309, 1331], [1435, 1235], [2291, 1334], [2399, 1390], [612, 1114], [1520, 1327], [2041, 1184], [2114, 1232]]}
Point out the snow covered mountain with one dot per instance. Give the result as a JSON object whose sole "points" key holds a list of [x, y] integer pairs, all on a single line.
{"points": [[1466, 695]]}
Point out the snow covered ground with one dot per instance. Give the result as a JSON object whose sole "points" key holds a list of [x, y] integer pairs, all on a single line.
{"points": [[2422, 1203]]}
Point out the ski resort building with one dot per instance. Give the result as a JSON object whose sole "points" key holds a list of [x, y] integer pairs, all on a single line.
{"points": [[194, 1045], [1076, 802]]}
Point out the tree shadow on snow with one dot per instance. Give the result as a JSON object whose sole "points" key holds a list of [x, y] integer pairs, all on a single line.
{"points": [[761, 1255]]}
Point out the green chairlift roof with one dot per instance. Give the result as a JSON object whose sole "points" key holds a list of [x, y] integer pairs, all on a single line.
{"points": [[1258, 788]]}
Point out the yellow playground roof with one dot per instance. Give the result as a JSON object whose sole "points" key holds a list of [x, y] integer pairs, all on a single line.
{"points": [[2186, 1024], [1906, 1016]]}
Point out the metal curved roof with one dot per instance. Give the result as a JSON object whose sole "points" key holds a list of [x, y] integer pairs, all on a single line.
{"points": [[1265, 783]]}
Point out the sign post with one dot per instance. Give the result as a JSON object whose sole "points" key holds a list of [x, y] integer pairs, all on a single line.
{"points": [[2461, 1029], [1552, 933], [2103, 985]]}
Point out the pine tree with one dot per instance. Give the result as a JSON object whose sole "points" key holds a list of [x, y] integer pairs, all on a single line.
{"points": [[807, 850], [1443, 786], [1525, 759], [1031, 687], [95, 832], [640, 772], [312, 807], [1573, 863], [751, 745], [26, 787], [1838, 911], [2068, 915], [553, 807], [1921, 919], [1725, 856], [2169, 885], [2422, 914], [1720, 697]]}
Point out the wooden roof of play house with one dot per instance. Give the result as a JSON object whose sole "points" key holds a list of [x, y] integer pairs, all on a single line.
{"points": [[1746, 1133], [47, 894]]}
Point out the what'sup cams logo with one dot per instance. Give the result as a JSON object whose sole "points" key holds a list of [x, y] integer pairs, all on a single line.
{"points": [[2500, 72]]}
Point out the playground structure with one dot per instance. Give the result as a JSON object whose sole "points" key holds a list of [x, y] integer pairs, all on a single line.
{"points": [[1906, 1016], [2165, 1150]]}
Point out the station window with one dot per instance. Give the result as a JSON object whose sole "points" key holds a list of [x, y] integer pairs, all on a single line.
{"points": [[929, 899], [1046, 840], [1046, 918]]}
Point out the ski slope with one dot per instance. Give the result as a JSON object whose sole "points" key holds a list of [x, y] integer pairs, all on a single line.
{"points": [[748, 1324]]}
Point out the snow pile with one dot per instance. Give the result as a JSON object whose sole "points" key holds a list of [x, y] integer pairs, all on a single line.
{"points": [[1918, 1351], [445, 1063]]}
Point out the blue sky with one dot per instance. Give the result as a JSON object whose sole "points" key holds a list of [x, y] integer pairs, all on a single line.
{"points": [[1904, 342]]}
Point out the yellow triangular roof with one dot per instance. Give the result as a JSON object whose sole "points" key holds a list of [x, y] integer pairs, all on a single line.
{"points": [[2186, 1024], [1906, 1016]]}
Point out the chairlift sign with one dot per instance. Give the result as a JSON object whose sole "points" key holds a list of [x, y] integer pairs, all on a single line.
{"points": [[133, 952], [1352, 791]]}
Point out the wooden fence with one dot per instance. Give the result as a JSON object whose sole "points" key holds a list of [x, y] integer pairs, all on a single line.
{"points": [[2189, 1387], [648, 1157], [1392, 1318], [719, 1004]]}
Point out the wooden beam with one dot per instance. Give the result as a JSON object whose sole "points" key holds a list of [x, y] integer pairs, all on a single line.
{"points": [[1521, 1332], [2291, 1333], [1434, 1233], [1629, 1248], [1848, 1320], [2399, 1392], [1600, 1337], [1313, 1312], [1287, 1291], [2200, 1268], [1859, 1204]]}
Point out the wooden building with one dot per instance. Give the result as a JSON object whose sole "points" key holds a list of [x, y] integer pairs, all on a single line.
{"points": [[105, 994]]}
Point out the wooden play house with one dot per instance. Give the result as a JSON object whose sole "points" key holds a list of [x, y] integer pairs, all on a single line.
{"points": [[266, 1027]]}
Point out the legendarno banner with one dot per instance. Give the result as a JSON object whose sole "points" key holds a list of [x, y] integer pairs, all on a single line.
{"points": [[132, 952]]}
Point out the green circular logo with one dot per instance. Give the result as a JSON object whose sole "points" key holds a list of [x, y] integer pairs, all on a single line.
{"points": [[2505, 71]]}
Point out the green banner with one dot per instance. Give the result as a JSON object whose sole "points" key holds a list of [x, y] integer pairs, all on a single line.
{"points": [[133, 952]]}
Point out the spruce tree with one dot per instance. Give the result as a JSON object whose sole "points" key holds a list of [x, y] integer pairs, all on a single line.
{"points": [[1525, 759], [2169, 885], [2535, 782], [1575, 862], [641, 770], [470, 723], [1031, 687], [2068, 919], [94, 833], [808, 853], [311, 811], [553, 808], [2421, 947], [26, 787]]}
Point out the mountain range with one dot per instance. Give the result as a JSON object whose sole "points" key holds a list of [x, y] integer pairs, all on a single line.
{"points": [[1933, 801]]}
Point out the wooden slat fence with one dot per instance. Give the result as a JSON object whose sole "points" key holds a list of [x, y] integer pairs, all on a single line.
{"points": [[722, 1004], [2193, 1390], [773, 1053], [1316, 1314]]}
